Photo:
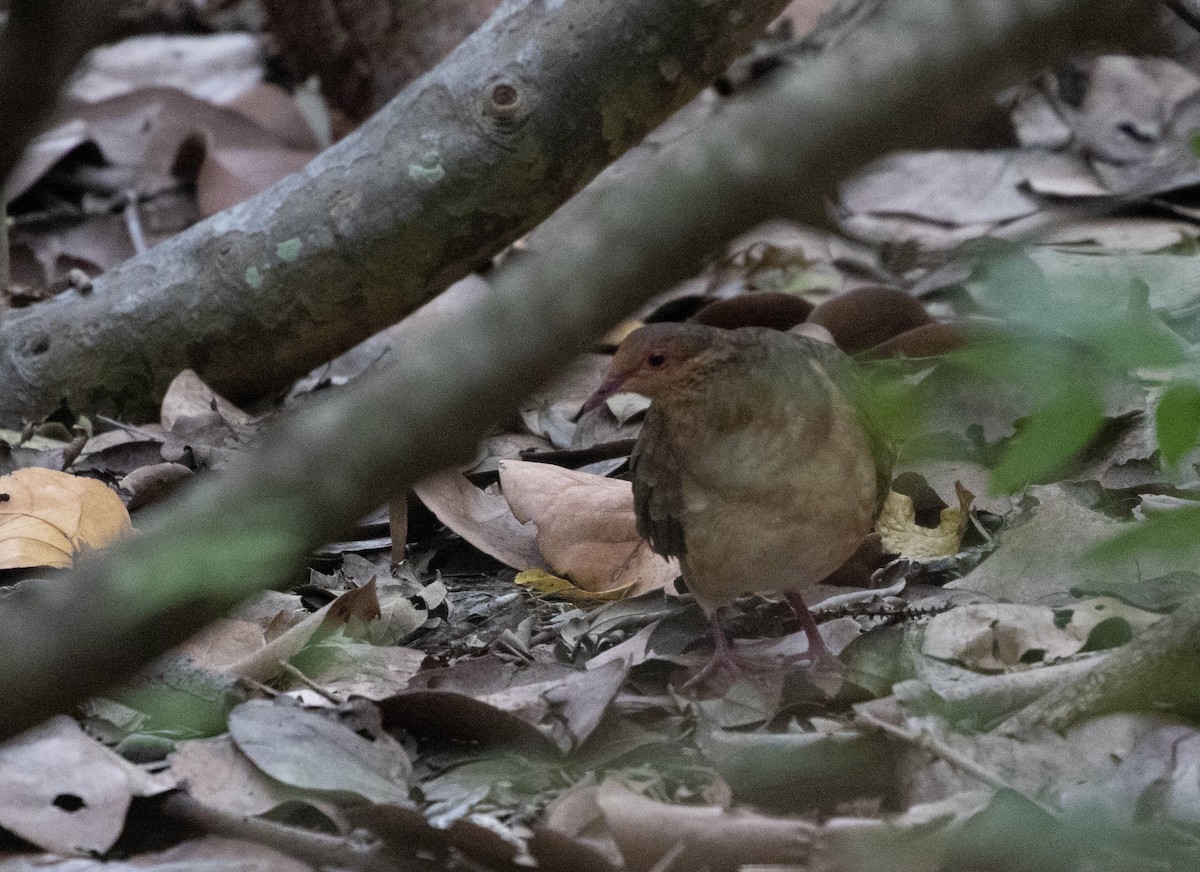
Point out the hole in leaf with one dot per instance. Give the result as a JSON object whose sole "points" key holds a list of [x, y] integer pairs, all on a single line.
{"points": [[69, 802]]}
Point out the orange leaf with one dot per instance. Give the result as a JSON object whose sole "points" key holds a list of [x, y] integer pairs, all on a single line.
{"points": [[48, 517]]}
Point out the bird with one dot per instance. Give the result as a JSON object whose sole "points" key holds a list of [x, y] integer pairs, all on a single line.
{"points": [[754, 465]]}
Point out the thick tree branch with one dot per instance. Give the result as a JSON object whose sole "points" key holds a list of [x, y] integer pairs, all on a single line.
{"points": [[610, 249], [458, 165]]}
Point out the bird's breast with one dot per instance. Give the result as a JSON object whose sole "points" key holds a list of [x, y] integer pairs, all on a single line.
{"points": [[777, 504]]}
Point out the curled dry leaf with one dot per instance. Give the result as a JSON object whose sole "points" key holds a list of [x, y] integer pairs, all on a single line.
{"points": [[47, 517], [585, 527], [150, 484], [483, 519], [865, 317], [189, 396], [901, 534], [361, 603]]}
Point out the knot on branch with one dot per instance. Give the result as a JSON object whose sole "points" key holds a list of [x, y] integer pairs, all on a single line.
{"points": [[505, 105]]}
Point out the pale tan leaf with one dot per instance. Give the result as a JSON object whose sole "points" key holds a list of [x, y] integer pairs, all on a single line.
{"points": [[996, 637], [189, 396], [485, 520], [585, 527]]}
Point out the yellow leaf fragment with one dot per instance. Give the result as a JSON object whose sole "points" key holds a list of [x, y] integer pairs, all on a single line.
{"points": [[47, 517], [541, 582], [901, 534]]}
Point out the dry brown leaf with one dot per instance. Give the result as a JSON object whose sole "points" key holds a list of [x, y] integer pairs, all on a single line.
{"points": [[228, 176], [585, 527], [264, 664], [483, 519], [48, 517], [995, 637], [615, 336], [213, 852], [150, 484], [215, 773], [224, 641], [189, 396], [62, 790]]}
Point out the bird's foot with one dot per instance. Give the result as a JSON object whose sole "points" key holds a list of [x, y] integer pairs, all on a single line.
{"points": [[724, 662]]}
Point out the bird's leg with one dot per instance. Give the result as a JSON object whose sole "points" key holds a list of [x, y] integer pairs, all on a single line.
{"points": [[818, 652], [724, 657]]}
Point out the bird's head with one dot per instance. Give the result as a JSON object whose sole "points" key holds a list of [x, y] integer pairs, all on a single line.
{"points": [[657, 359]]}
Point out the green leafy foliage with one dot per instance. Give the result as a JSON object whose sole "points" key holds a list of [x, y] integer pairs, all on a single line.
{"points": [[1177, 421], [1174, 533], [1069, 341], [1050, 437]]}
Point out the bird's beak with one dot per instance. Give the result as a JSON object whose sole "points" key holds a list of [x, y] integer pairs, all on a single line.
{"points": [[608, 387]]}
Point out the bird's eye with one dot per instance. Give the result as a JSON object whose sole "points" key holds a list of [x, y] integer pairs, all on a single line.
{"points": [[656, 358]]}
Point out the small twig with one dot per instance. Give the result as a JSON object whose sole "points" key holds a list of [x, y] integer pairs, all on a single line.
{"points": [[398, 528], [320, 849], [270, 692], [668, 861], [73, 448], [859, 596], [128, 428], [133, 224], [903, 613], [293, 671], [926, 742]]}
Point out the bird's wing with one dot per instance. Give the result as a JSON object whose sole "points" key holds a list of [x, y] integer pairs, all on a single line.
{"points": [[658, 488]]}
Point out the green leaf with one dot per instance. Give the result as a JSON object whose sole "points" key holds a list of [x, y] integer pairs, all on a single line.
{"points": [[1175, 533], [1177, 421], [1049, 438], [1008, 281]]}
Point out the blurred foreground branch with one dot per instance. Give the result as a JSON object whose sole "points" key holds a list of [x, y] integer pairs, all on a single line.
{"points": [[612, 247]]}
